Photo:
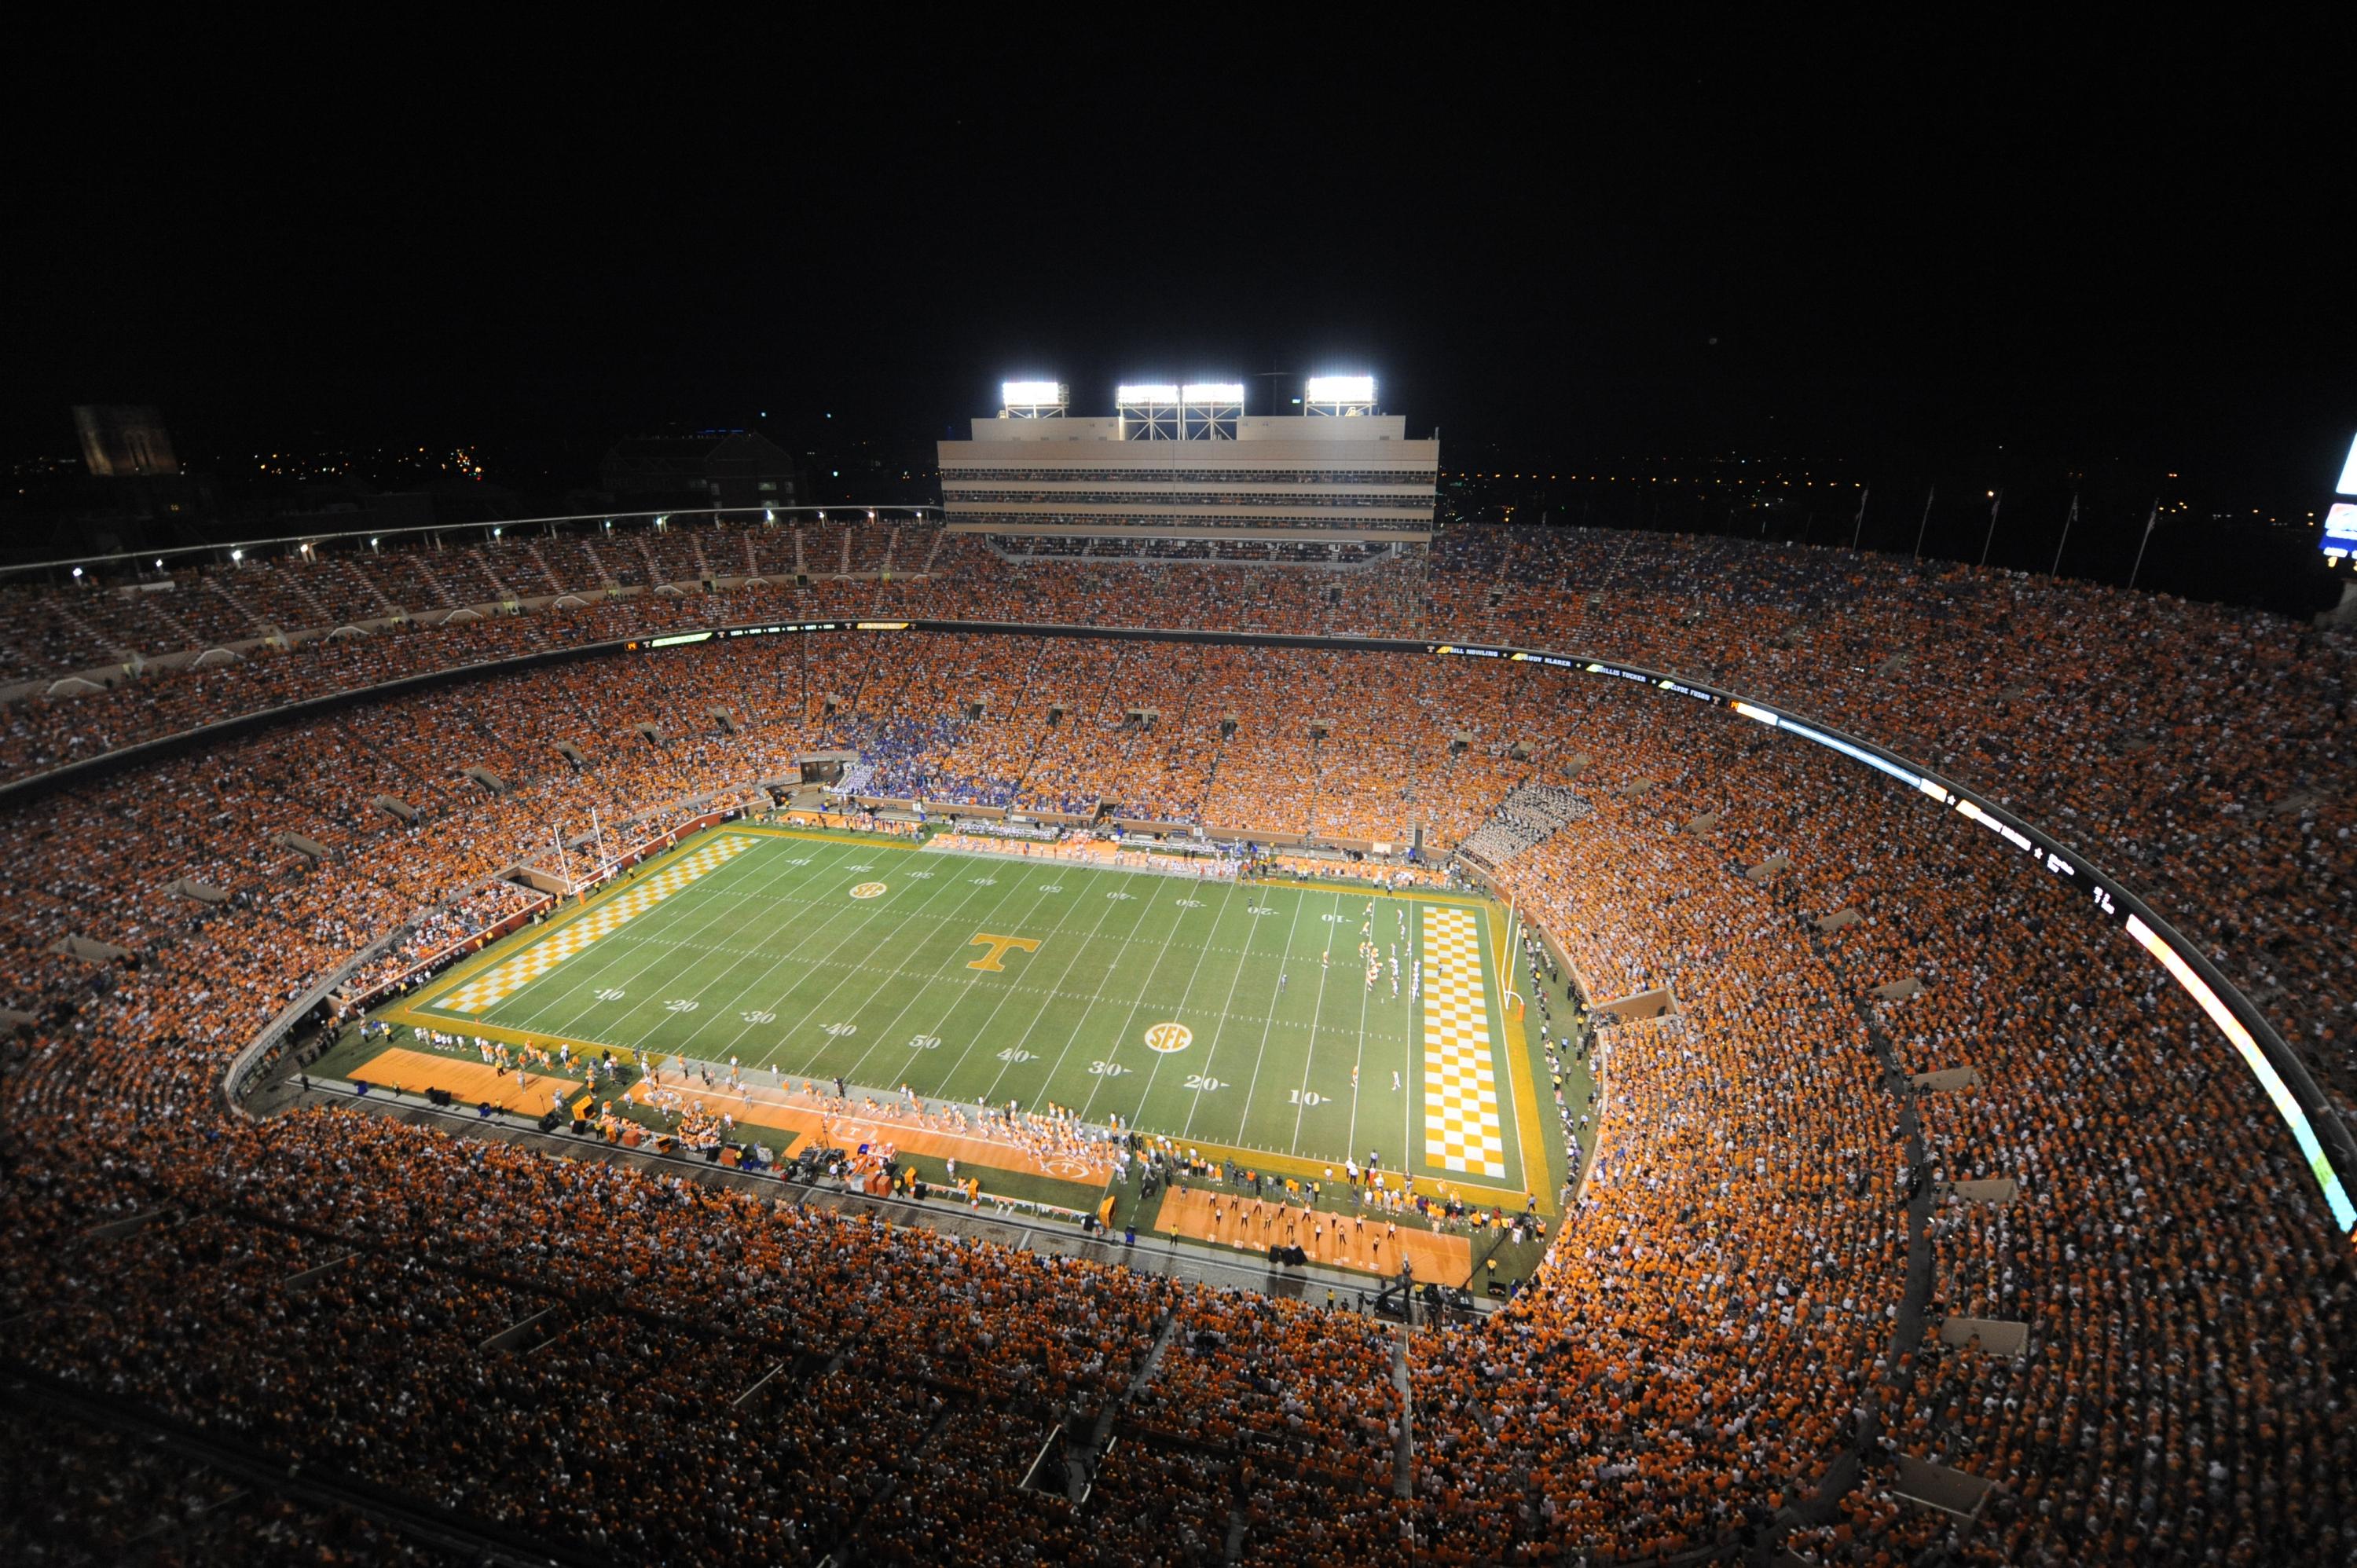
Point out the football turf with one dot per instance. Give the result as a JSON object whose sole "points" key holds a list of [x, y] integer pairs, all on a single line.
{"points": [[990, 978]]}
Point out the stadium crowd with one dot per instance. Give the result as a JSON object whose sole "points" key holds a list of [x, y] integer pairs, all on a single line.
{"points": [[2189, 749], [635, 1364]]}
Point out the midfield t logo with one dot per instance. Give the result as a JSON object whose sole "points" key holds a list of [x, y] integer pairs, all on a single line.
{"points": [[999, 946]]}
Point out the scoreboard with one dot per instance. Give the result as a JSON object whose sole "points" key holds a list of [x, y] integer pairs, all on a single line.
{"points": [[2340, 516]]}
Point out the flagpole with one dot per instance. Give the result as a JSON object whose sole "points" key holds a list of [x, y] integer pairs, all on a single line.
{"points": [[2150, 518], [1859, 527], [2068, 518], [1919, 527]]}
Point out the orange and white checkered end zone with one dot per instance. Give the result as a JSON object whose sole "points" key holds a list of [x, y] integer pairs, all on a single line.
{"points": [[502, 981], [1462, 1131]]}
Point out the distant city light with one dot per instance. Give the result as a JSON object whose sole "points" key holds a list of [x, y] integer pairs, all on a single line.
{"points": [[1341, 389]]}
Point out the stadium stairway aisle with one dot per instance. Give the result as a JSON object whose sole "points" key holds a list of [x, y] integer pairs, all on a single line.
{"points": [[1907, 1327]]}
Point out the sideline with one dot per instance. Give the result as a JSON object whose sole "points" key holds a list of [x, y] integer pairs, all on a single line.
{"points": [[1165, 1255]]}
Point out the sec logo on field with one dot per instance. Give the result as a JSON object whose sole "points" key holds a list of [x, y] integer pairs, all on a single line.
{"points": [[1166, 1037], [868, 890]]}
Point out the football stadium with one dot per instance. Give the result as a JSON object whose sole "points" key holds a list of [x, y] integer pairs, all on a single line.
{"points": [[1166, 1008], [1156, 1000]]}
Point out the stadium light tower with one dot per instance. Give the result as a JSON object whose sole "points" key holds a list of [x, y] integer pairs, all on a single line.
{"points": [[1148, 413], [1209, 410], [1032, 399], [1336, 396]]}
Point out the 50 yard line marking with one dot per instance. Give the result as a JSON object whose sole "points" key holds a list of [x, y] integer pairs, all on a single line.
{"points": [[789, 954], [919, 910], [1048, 877], [990, 1094], [856, 930]]}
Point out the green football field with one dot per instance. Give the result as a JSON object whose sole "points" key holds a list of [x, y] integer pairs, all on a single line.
{"points": [[1201, 1009]]}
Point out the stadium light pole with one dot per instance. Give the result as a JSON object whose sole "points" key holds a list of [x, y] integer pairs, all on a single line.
{"points": [[1926, 522], [2067, 519], [2150, 519], [1997, 500]]}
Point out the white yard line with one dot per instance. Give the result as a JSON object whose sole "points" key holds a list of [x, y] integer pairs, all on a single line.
{"points": [[990, 1095], [1121, 1035], [794, 955], [712, 985], [1350, 1138], [857, 930], [625, 940], [1412, 1069], [1052, 878], [1310, 1056], [1269, 1021], [1160, 1057], [1145, 903], [1506, 1053], [1285, 955]]}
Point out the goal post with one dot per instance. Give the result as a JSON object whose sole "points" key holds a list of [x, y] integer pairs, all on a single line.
{"points": [[1507, 974]]}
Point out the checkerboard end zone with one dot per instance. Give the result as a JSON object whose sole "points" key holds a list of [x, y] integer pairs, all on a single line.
{"points": [[1462, 1132], [495, 984]]}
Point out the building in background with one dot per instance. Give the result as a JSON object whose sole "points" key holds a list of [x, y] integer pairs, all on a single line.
{"points": [[124, 441], [717, 468], [1189, 463]]}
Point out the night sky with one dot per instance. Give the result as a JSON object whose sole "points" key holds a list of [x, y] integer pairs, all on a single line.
{"points": [[1885, 262]]}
